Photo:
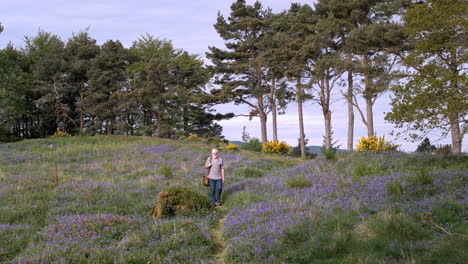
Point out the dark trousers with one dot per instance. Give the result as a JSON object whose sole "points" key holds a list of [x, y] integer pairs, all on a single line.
{"points": [[216, 186]]}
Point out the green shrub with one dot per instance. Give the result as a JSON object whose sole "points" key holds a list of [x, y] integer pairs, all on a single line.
{"points": [[254, 144], [296, 151], [322, 240], [215, 141], [330, 154], [394, 188], [449, 211], [362, 169], [390, 226], [422, 177], [166, 170], [178, 200], [250, 173], [369, 169], [452, 249], [298, 182]]}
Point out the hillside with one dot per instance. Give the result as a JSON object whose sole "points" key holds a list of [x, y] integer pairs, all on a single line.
{"points": [[88, 200]]}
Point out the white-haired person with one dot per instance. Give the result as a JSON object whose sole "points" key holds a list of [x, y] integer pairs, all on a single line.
{"points": [[215, 176]]}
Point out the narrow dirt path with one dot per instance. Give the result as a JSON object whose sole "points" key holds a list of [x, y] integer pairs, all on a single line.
{"points": [[217, 235]]}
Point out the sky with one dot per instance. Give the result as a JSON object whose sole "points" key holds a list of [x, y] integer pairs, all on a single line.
{"points": [[189, 25]]}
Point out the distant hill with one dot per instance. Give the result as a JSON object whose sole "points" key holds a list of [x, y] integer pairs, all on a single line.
{"points": [[312, 149]]}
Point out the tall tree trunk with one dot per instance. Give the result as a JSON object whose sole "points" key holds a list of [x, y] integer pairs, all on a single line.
{"points": [[370, 117], [158, 124], [455, 133], [185, 118], [301, 117], [327, 117], [273, 109], [368, 97], [263, 120], [350, 105], [81, 106], [453, 116]]}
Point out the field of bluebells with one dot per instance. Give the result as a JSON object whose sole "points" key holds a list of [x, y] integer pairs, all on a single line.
{"points": [[88, 200]]}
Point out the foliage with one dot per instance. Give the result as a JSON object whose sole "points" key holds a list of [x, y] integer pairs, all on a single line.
{"points": [[279, 147], [245, 135], [178, 200], [166, 170], [426, 146], [433, 95], [444, 149], [194, 138], [375, 144], [237, 68], [82, 88], [296, 151], [250, 172], [59, 133], [231, 147], [329, 154], [394, 188], [254, 144], [298, 182], [421, 177]]}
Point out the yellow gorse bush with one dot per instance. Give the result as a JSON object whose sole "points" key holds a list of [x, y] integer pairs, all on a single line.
{"points": [[375, 144], [58, 134], [230, 146], [280, 147], [194, 138]]}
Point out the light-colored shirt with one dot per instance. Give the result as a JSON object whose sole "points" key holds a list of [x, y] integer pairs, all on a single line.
{"points": [[215, 169]]}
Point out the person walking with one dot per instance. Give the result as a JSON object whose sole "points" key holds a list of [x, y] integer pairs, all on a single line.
{"points": [[215, 176]]}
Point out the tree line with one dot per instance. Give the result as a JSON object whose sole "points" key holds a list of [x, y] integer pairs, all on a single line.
{"points": [[78, 87], [417, 50], [414, 50]]}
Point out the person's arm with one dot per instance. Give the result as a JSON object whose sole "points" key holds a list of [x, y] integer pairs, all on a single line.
{"points": [[207, 163], [222, 170]]}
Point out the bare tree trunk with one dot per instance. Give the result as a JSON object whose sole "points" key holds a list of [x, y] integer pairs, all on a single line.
{"points": [[81, 106], [59, 112], [263, 120], [370, 117], [273, 109], [327, 117], [301, 117], [455, 133], [453, 116], [368, 97], [158, 124], [350, 105]]}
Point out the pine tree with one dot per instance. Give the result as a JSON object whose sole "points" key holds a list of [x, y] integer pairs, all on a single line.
{"points": [[45, 53], [288, 31], [14, 106], [370, 42], [325, 67], [108, 76], [154, 61], [240, 70], [80, 51], [435, 95]]}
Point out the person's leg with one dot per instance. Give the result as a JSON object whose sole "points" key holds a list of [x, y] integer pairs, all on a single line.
{"points": [[219, 189], [212, 190]]}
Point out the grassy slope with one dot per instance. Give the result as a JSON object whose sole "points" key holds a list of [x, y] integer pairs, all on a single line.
{"points": [[87, 200]]}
